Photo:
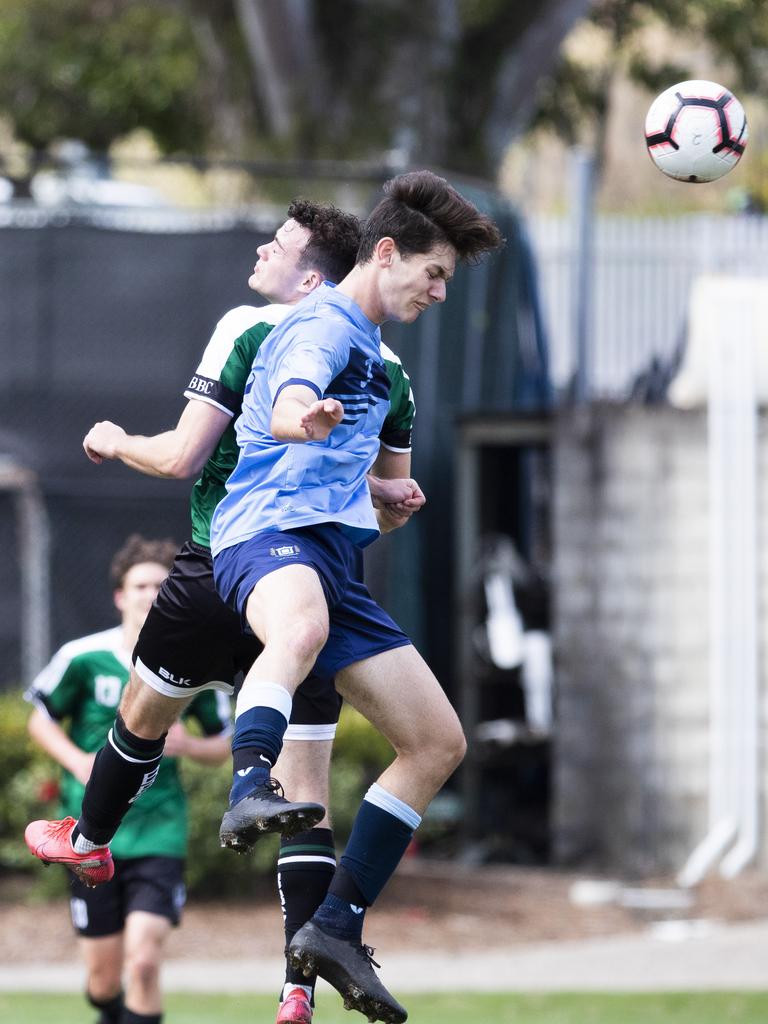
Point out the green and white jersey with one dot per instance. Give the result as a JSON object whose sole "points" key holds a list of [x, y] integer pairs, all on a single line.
{"points": [[221, 378], [80, 688]]}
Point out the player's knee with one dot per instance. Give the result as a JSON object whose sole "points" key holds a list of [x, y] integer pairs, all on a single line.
{"points": [[143, 970], [305, 638], [458, 747], [147, 713], [103, 985], [447, 755]]}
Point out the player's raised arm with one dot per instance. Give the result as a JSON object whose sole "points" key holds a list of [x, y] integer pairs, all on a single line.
{"points": [[176, 454], [298, 415]]}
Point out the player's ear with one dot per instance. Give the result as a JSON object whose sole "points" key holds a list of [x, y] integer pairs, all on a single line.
{"points": [[312, 279], [119, 599], [385, 250]]}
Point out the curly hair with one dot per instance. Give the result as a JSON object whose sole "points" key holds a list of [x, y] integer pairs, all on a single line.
{"points": [[136, 551], [420, 211], [334, 238]]}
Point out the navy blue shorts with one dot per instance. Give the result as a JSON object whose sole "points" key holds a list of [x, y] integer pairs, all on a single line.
{"points": [[191, 641], [359, 628]]}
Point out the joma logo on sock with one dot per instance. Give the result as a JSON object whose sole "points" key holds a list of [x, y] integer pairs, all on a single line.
{"points": [[172, 678]]}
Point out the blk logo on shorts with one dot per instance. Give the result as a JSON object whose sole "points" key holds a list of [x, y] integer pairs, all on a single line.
{"points": [[285, 551], [176, 680]]}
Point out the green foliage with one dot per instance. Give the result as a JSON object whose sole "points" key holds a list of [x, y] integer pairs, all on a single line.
{"points": [[95, 71], [211, 871], [574, 98], [348, 79], [29, 791], [360, 754]]}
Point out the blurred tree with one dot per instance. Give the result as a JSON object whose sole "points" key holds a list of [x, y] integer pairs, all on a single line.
{"points": [[95, 69], [446, 82], [574, 100]]}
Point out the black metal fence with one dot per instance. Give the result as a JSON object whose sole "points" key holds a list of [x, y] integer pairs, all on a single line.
{"points": [[103, 315]]}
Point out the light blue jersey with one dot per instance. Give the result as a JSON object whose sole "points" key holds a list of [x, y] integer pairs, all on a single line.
{"points": [[329, 345]]}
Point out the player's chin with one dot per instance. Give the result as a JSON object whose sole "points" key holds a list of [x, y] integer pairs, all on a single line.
{"points": [[412, 313]]}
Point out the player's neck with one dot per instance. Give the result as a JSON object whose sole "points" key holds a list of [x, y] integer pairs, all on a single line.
{"points": [[130, 634], [361, 286]]}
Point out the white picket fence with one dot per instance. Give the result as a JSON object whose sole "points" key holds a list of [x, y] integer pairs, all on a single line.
{"points": [[641, 276]]}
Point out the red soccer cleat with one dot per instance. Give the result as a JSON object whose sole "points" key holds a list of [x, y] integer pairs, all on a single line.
{"points": [[295, 1009], [49, 841]]}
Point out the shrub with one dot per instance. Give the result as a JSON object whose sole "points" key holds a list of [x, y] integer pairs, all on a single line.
{"points": [[360, 754]]}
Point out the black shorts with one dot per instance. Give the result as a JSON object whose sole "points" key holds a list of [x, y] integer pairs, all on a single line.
{"points": [[191, 641], [153, 884]]}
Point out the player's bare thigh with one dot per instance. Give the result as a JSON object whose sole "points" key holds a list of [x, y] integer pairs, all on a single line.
{"points": [[398, 693], [282, 599], [146, 712]]}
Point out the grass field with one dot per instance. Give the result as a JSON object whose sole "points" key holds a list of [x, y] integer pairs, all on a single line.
{"points": [[446, 1008]]}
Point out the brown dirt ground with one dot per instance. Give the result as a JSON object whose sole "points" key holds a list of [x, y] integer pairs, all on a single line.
{"points": [[428, 906]]}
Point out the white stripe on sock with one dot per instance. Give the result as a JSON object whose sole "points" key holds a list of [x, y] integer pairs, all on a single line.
{"points": [[379, 797], [303, 858], [264, 695]]}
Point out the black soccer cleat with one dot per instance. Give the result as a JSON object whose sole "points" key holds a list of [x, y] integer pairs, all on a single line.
{"points": [[266, 810], [348, 966]]}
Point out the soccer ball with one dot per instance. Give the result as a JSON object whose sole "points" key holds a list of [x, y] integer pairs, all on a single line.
{"points": [[696, 131]]}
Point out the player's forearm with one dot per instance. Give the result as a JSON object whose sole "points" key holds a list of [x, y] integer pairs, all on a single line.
{"points": [[164, 455], [391, 465], [50, 736], [210, 750], [286, 422]]}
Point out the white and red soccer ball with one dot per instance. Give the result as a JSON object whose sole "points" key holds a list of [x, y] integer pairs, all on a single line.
{"points": [[696, 131]]}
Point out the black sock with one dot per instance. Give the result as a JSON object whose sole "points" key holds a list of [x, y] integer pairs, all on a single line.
{"points": [[110, 1008], [129, 1017], [124, 767], [306, 865]]}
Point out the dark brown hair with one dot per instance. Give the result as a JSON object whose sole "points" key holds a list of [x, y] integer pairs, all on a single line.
{"points": [[136, 551], [421, 210], [334, 238]]}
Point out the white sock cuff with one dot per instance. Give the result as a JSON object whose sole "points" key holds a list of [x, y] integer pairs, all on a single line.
{"points": [[264, 695], [289, 986], [379, 797]]}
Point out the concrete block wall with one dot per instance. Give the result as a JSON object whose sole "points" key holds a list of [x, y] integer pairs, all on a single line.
{"points": [[631, 750]]}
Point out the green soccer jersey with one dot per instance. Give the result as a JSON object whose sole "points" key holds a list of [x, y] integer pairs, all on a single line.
{"points": [[220, 379], [81, 688]]}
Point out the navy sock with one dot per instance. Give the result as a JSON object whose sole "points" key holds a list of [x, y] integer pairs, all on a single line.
{"points": [[341, 918], [249, 771], [261, 728], [377, 843], [256, 746]]}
